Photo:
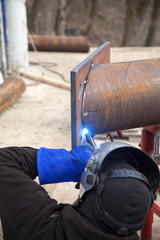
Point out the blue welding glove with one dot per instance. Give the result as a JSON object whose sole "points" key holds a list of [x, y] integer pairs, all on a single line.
{"points": [[59, 165]]}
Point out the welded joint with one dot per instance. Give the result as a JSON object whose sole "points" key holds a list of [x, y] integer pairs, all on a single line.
{"points": [[84, 92]]}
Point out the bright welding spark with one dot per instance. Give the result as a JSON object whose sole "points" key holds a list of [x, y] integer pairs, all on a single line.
{"points": [[84, 132]]}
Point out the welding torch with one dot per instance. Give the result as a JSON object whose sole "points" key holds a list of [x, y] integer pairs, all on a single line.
{"points": [[89, 138]]}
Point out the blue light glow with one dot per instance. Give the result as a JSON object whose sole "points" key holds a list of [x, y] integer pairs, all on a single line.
{"points": [[84, 132]]}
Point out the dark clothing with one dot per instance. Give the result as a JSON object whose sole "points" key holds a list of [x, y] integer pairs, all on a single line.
{"points": [[26, 210]]}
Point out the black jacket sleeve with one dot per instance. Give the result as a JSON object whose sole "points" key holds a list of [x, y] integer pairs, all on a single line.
{"points": [[25, 207]]}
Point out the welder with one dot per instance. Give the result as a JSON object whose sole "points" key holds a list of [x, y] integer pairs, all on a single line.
{"points": [[117, 182]]}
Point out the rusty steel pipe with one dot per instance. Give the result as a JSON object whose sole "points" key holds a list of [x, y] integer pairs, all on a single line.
{"points": [[10, 90], [58, 43], [121, 96]]}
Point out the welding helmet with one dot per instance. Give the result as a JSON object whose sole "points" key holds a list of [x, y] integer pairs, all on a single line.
{"points": [[145, 171]]}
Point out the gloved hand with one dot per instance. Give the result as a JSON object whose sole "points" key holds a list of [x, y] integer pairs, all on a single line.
{"points": [[59, 165]]}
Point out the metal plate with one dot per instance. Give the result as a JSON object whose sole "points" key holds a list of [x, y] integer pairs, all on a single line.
{"points": [[78, 77]]}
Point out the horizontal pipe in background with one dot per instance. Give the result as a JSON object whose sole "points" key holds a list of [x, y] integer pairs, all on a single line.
{"points": [[58, 43]]}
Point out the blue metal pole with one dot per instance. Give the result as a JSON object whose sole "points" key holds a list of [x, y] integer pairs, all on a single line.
{"points": [[5, 30], [1, 39]]}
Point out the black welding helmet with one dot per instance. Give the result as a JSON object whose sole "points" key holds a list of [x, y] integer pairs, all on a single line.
{"points": [[144, 165], [143, 170]]}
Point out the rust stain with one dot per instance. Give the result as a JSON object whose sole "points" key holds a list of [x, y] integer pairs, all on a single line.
{"points": [[55, 42], [73, 42], [63, 40]]}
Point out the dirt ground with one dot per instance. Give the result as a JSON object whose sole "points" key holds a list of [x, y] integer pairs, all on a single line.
{"points": [[41, 116]]}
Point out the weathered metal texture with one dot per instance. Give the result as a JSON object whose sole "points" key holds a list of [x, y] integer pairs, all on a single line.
{"points": [[122, 96], [156, 209], [78, 76], [10, 90], [58, 43]]}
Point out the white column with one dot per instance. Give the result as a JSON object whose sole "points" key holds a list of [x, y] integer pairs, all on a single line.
{"points": [[17, 34]]}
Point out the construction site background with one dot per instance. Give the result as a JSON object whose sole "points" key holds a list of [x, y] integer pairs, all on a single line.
{"points": [[41, 116], [123, 22]]}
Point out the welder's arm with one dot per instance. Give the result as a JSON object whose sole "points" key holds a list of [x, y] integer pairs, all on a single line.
{"points": [[59, 165]]}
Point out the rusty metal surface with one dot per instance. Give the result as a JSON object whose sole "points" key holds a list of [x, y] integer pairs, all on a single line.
{"points": [[58, 43], [152, 129], [122, 96], [78, 77], [156, 209], [10, 90]]}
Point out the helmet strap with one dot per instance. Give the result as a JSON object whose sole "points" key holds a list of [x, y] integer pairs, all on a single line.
{"points": [[118, 227]]}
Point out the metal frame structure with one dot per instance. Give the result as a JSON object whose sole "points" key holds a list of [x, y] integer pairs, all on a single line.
{"points": [[78, 77]]}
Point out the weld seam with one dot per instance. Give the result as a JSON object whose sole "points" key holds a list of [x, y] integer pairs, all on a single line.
{"points": [[125, 78]]}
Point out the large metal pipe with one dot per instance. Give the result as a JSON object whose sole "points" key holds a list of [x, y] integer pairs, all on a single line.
{"points": [[58, 43], [122, 96]]}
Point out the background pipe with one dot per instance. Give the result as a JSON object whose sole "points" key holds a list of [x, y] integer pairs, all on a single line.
{"points": [[10, 91], [58, 43]]}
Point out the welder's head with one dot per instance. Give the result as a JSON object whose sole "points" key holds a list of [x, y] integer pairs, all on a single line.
{"points": [[124, 180]]}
